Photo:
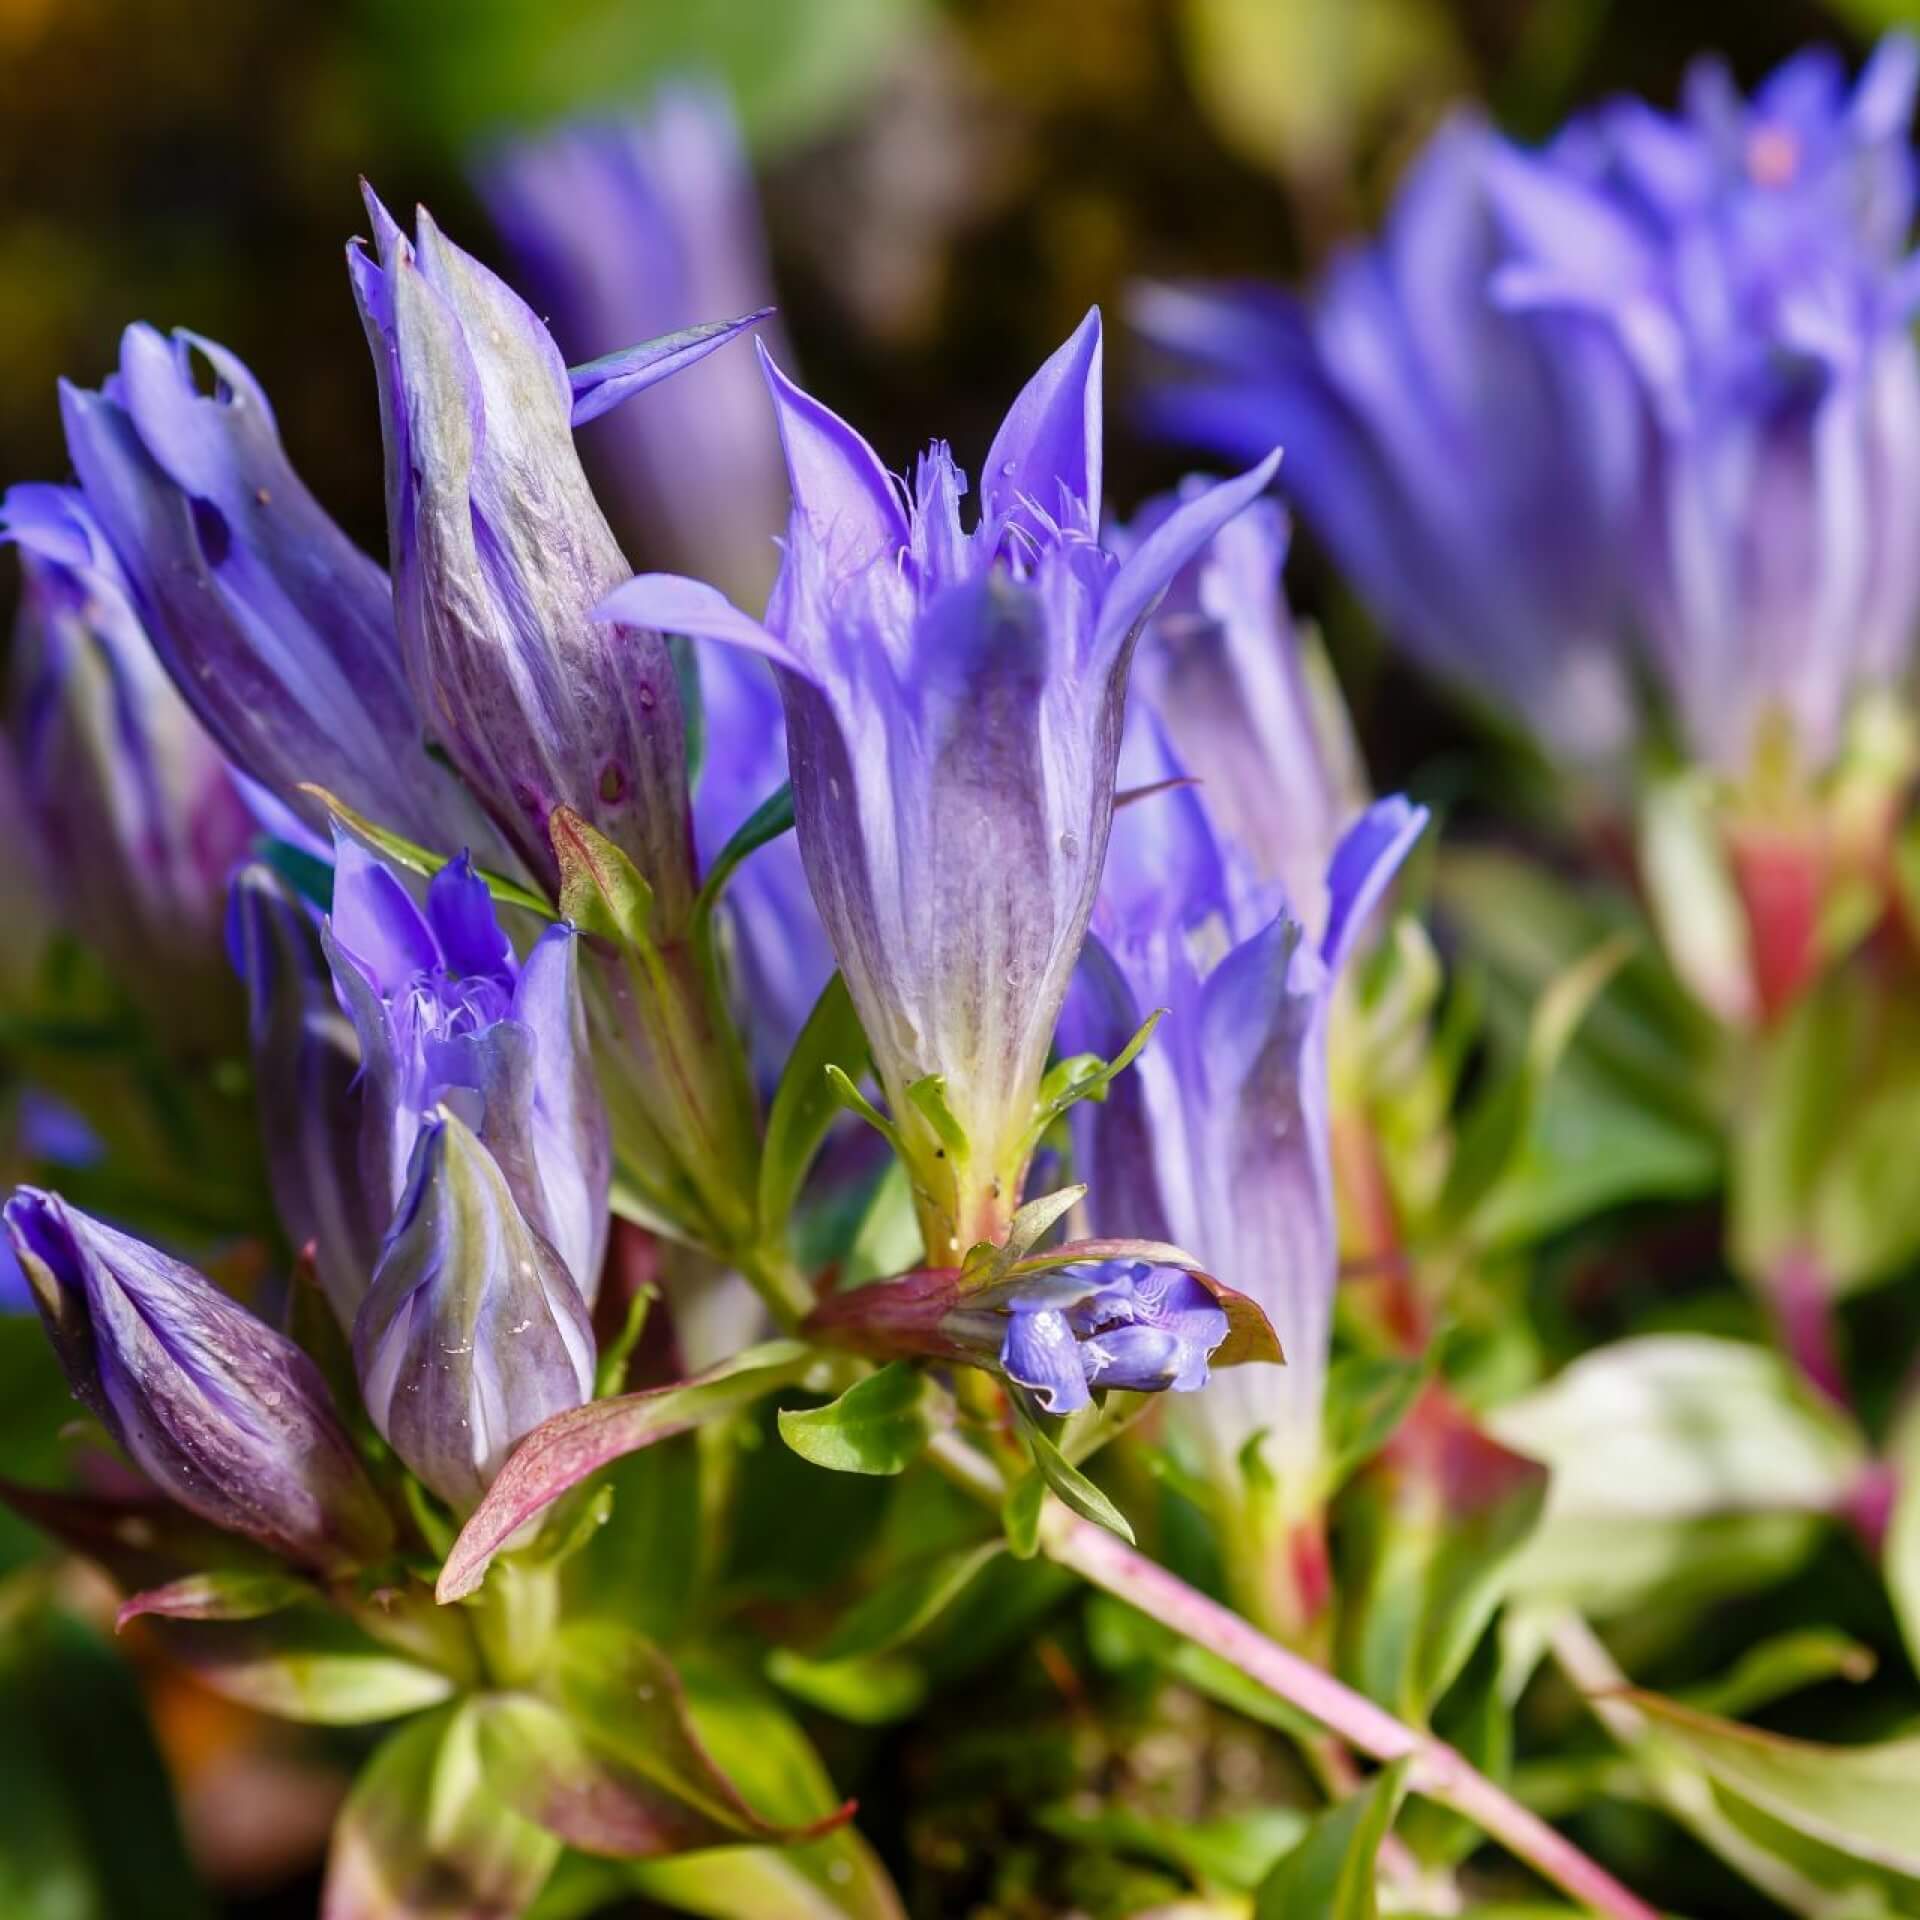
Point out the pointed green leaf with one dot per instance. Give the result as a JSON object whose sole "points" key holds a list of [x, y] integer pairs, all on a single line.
{"points": [[1085, 1076], [417, 859], [558, 1455], [879, 1425], [848, 1094], [1069, 1484], [767, 822], [1020, 1514], [1428, 1532], [907, 1602], [1331, 1874], [232, 1595], [806, 1102], [1864, 1800], [601, 891], [423, 1835]]}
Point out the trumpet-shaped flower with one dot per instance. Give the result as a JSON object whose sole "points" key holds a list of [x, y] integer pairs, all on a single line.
{"points": [[135, 815], [473, 1331], [953, 701], [277, 630], [223, 1414], [500, 554], [447, 1017]]}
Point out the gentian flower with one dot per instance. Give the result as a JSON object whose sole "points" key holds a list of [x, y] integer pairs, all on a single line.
{"points": [[1470, 478], [448, 1017], [135, 815], [953, 705], [306, 1075], [226, 1416], [1127, 1325], [1236, 692], [500, 554], [276, 629], [474, 1331], [1137, 1317], [629, 228], [1747, 263], [1217, 1137]]}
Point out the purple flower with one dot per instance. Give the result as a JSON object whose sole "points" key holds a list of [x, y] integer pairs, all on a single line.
{"points": [[1217, 1137], [1469, 476], [629, 228], [223, 1414], [500, 553], [1651, 390], [276, 629], [473, 1331], [1237, 694], [135, 815], [447, 1017], [953, 705], [1127, 1325], [306, 1076], [1746, 264]]}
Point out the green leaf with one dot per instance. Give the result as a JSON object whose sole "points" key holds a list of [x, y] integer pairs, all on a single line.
{"points": [[766, 823], [907, 1602], [1789, 1661], [1069, 1484], [1085, 1076], [847, 1092], [627, 1724], [763, 1750], [1020, 1514], [567, 1449], [1692, 892], [305, 1663], [1427, 1534], [417, 859], [1368, 1395], [806, 1102], [991, 1261], [226, 1595], [1901, 1552], [1860, 1800], [601, 891], [87, 1823], [424, 1833], [611, 1367], [869, 1690], [1331, 1874], [881, 1424], [1682, 1464], [1234, 1850], [1496, 1128], [641, 1568]]}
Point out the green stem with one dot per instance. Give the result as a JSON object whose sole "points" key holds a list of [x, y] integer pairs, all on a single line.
{"points": [[1438, 1771], [514, 1617]]}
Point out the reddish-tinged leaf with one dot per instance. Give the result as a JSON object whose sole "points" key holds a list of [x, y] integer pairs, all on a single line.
{"points": [[557, 1456], [218, 1596]]}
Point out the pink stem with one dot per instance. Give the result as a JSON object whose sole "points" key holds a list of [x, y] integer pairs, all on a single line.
{"points": [[1439, 1773]]}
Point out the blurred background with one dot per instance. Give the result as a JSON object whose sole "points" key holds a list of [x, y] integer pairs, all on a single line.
{"points": [[948, 187]]}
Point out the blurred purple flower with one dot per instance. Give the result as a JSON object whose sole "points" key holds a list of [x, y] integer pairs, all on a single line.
{"points": [[447, 1017], [223, 1414], [473, 1331], [500, 554], [1747, 261], [1217, 1138], [1652, 387], [953, 707], [629, 228], [135, 816], [1468, 475], [276, 629]]}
